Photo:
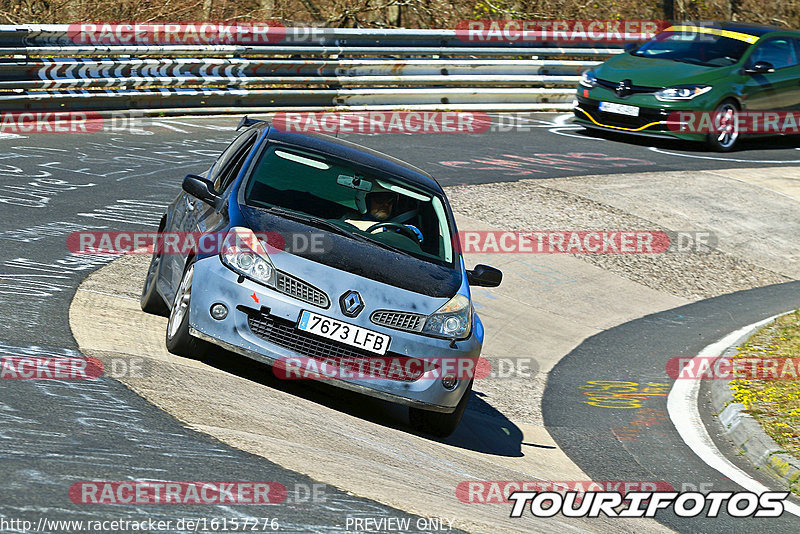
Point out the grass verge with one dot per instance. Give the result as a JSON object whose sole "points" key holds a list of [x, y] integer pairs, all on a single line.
{"points": [[774, 402]]}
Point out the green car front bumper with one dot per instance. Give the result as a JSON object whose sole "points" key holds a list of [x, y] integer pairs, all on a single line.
{"points": [[651, 122]]}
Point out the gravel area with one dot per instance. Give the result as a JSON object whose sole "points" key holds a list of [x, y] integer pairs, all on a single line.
{"points": [[530, 205]]}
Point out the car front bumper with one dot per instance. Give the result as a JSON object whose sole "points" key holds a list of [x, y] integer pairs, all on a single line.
{"points": [[651, 122], [214, 283]]}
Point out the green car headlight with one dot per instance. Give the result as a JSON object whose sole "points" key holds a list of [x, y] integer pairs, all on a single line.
{"points": [[681, 92], [588, 79], [453, 320]]}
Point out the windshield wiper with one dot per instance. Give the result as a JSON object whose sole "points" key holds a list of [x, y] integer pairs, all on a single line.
{"points": [[308, 219], [320, 222]]}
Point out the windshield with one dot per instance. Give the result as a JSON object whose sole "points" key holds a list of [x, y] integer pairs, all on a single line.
{"points": [[324, 192], [694, 47]]}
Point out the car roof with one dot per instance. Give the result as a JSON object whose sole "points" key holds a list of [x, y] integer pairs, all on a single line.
{"points": [[744, 27], [358, 154]]}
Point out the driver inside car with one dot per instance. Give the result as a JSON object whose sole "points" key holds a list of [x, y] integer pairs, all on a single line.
{"points": [[380, 207]]}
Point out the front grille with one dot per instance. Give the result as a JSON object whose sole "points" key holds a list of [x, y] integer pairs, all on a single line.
{"points": [[635, 89], [289, 285], [284, 334], [400, 320]]}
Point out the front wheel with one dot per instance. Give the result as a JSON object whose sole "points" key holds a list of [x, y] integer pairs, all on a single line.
{"points": [[439, 424], [725, 122], [178, 339], [151, 301]]}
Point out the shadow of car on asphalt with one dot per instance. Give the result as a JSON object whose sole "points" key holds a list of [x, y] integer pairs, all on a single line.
{"points": [[483, 428]]}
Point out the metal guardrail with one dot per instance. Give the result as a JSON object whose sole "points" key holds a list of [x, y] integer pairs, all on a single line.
{"points": [[43, 68]]}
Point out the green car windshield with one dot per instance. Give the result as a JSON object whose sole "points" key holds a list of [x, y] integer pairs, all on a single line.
{"points": [[314, 187], [694, 47]]}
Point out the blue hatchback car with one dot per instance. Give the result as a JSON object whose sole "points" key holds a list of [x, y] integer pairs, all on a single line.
{"points": [[328, 253]]}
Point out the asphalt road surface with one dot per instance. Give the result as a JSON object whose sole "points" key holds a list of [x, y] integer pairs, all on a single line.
{"points": [[636, 441], [57, 433]]}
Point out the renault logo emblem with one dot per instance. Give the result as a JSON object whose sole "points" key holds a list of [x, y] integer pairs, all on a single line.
{"points": [[351, 303]]}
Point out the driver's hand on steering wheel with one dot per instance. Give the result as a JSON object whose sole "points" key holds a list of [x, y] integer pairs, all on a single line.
{"points": [[408, 230]]}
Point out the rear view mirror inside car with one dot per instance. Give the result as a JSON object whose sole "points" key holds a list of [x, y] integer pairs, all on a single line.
{"points": [[356, 182]]}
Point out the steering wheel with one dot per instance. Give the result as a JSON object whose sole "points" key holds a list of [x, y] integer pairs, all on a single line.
{"points": [[401, 228]]}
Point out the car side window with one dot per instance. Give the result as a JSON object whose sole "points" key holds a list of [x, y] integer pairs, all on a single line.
{"points": [[220, 173], [233, 166], [781, 52]]}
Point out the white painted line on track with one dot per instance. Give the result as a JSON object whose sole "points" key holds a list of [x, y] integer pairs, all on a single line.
{"points": [[685, 415], [562, 119], [717, 158], [169, 127], [562, 129], [206, 126]]}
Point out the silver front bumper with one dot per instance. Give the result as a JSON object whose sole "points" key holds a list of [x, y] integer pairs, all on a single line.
{"points": [[214, 283]]}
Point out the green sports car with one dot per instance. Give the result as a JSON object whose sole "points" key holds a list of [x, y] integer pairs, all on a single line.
{"points": [[723, 68]]}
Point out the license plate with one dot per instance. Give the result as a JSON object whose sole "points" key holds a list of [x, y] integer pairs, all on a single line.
{"points": [[348, 334], [621, 109]]}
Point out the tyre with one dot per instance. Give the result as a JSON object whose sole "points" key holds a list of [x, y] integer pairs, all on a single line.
{"points": [[151, 301], [179, 341], [439, 424], [724, 140]]}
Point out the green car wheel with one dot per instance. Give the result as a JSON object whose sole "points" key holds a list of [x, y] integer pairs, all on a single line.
{"points": [[727, 137]]}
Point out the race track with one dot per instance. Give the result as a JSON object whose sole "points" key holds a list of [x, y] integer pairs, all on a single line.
{"points": [[579, 320]]}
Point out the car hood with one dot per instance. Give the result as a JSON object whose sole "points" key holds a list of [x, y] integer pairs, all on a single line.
{"points": [[657, 72], [355, 257]]}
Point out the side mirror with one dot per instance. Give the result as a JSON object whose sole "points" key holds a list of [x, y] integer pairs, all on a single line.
{"points": [[630, 47], [201, 188], [485, 276], [760, 67]]}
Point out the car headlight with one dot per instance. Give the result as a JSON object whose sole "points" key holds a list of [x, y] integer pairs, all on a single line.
{"points": [[588, 79], [242, 252], [681, 92], [453, 320]]}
